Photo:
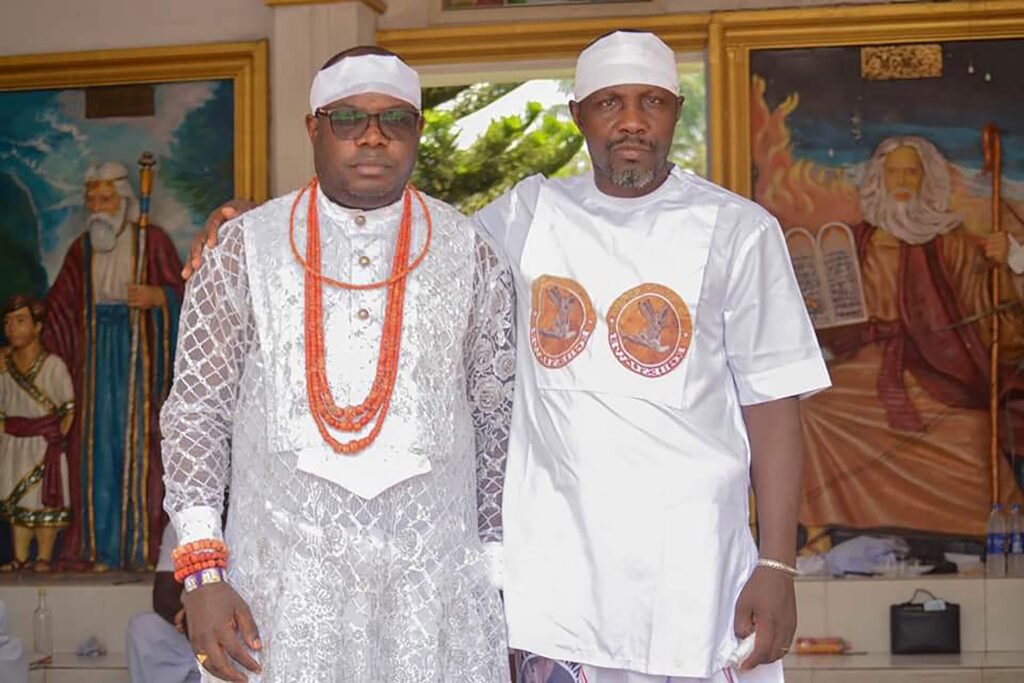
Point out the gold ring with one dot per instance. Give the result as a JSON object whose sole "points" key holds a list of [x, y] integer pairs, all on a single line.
{"points": [[201, 658], [785, 651]]}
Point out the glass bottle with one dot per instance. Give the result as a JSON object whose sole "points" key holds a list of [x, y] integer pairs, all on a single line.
{"points": [[42, 627]]}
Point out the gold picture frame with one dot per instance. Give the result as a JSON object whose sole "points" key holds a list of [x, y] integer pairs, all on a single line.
{"points": [[244, 63], [734, 35], [533, 40]]}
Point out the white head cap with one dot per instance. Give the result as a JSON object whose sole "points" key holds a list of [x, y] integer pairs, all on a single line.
{"points": [[626, 58], [385, 74]]}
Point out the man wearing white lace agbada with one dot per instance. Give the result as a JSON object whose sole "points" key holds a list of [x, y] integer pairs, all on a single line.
{"points": [[346, 359], [663, 345]]}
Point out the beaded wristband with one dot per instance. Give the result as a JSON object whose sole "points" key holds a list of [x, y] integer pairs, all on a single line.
{"points": [[192, 558], [778, 566], [205, 577], [205, 545]]}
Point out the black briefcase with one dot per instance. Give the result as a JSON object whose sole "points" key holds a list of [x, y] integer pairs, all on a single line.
{"points": [[930, 627]]}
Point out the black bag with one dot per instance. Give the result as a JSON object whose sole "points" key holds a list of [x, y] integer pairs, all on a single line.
{"points": [[915, 630]]}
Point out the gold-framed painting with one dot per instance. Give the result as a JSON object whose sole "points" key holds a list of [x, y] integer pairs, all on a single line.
{"points": [[200, 109], [535, 40], [888, 142], [91, 227]]}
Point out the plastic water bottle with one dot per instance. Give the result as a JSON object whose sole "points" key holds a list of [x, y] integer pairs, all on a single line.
{"points": [[1015, 542], [995, 552], [42, 627]]}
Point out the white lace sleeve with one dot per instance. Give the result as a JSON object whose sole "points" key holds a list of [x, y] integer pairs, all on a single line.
{"points": [[215, 333], [490, 372]]}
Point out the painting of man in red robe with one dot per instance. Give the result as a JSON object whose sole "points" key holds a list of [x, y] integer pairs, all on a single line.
{"points": [[901, 440], [112, 314]]}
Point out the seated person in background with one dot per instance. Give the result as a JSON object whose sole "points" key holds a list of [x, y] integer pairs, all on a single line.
{"points": [[13, 658], [158, 648]]}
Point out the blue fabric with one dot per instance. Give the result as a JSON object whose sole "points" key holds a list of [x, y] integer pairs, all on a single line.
{"points": [[110, 373], [110, 399]]}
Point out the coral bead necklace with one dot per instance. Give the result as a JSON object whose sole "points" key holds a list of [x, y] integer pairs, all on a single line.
{"points": [[375, 406]]}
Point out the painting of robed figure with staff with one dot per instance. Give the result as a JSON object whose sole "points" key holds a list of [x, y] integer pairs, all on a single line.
{"points": [[112, 313], [95, 229], [110, 162], [903, 213]]}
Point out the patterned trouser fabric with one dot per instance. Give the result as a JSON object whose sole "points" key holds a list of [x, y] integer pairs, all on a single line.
{"points": [[532, 668]]}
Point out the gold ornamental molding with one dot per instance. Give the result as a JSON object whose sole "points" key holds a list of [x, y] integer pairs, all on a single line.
{"points": [[531, 40], [732, 36], [379, 6], [245, 64]]}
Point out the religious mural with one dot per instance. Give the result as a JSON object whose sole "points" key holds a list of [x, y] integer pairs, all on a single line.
{"points": [[75, 235], [873, 160]]}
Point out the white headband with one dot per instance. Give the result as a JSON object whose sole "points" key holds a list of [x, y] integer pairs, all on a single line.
{"points": [[385, 74], [626, 58]]}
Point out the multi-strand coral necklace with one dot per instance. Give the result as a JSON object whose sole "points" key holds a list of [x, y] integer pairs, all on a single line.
{"points": [[321, 402]]}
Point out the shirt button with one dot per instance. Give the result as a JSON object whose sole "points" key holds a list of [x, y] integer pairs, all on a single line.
{"points": [[364, 260], [360, 220], [363, 314]]}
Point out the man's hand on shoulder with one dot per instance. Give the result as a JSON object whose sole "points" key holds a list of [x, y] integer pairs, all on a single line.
{"points": [[767, 606], [208, 237]]}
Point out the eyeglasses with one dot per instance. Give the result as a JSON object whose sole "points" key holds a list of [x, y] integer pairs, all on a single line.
{"points": [[351, 124]]}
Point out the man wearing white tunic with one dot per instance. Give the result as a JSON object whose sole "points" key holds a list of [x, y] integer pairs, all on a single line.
{"points": [[36, 410], [354, 532], [663, 343]]}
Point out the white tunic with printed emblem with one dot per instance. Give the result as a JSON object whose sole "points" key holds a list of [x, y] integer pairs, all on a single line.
{"points": [[365, 568], [626, 493]]}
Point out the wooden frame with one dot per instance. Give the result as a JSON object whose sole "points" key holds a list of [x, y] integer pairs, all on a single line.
{"points": [[733, 36], [446, 5], [535, 39], [244, 63]]}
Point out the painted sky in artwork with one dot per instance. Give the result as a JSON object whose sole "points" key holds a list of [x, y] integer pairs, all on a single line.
{"points": [[842, 117], [46, 144], [815, 122]]}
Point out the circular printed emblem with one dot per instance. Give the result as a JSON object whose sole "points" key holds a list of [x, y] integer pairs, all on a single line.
{"points": [[561, 320], [649, 330]]}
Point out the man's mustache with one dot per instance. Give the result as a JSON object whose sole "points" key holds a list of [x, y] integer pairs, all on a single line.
{"points": [[372, 160], [632, 141]]}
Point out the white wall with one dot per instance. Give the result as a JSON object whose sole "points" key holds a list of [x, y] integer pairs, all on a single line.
{"points": [[30, 26]]}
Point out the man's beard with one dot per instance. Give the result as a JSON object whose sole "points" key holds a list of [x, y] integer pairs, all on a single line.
{"points": [[633, 176], [104, 228], [913, 220]]}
